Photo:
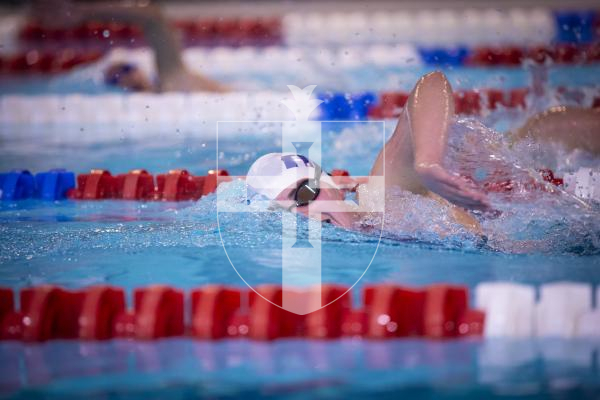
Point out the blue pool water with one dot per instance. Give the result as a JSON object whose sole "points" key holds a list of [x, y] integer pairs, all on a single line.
{"points": [[131, 244], [295, 369]]}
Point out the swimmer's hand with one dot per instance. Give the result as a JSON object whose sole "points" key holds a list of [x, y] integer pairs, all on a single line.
{"points": [[453, 188]]}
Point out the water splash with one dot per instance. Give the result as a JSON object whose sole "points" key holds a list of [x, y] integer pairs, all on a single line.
{"points": [[533, 216]]}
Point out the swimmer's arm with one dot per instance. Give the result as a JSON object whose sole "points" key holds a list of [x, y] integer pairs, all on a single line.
{"points": [[172, 73], [571, 127], [414, 154], [419, 140]]}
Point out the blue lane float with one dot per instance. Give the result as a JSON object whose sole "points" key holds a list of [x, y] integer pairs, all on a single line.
{"points": [[17, 185], [54, 184], [444, 56], [575, 26], [345, 106], [50, 185]]}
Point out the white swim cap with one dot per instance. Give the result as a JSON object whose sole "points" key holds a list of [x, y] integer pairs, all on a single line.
{"points": [[272, 173]]}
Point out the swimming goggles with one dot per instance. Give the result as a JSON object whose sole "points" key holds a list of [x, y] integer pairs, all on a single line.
{"points": [[308, 190], [121, 71]]}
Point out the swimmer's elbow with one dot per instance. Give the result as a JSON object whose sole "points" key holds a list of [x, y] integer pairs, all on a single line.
{"points": [[435, 77], [435, 92], [432, 84]]}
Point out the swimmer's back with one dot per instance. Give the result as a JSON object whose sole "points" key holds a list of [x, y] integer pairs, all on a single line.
{"points": [[574, 128]]}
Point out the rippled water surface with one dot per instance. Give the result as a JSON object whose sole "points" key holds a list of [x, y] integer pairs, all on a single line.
{"points": [[130, 243], [535, 237]]}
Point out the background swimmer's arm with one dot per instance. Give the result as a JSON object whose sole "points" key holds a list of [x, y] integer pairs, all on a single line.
{"points": [[172, 73], [414, 154]]}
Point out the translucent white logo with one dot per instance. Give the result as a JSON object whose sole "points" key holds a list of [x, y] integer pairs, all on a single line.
{"points": [[301, 238]]}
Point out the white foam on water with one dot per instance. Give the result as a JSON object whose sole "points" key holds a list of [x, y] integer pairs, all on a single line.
{"points": [[534, 215]]}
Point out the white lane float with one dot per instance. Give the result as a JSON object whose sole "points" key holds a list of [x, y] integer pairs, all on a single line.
{"points": [[509, 308], [560, 308]]}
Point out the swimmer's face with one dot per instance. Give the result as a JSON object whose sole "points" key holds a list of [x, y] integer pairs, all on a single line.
{"points": [[128, 77], [321, 208]]}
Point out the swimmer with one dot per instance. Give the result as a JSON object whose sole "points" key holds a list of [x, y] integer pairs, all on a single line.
{"points": [[413, 162], [572, 127], [172, 72]]}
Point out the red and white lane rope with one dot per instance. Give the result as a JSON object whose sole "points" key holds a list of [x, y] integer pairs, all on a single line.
{"points": [[386, 311]]}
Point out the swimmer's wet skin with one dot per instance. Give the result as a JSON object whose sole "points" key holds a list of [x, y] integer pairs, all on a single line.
{"points": [[572, 127], [413, 157], [173, 75], [295, 183], [413, 162]]}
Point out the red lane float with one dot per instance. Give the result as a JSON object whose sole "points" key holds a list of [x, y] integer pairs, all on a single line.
{"points": [[218, 312], [443, 308], [563, 53], [213, 310], [8, 315], [179, 185], [466, 102], [518, 98], [231, 31], [496, 56], [49, 312], [515, 98], [90, 30], [100, 308], [355, 323], [98, 184], [266, 320], [326, 323], [471, 323], [136, 185], [124, 325], [7, 302], [393, 311], [176, 185], [159, 312], [390, 105]]}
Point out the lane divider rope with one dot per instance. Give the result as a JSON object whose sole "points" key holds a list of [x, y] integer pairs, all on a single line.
{"points": [[218, 312], [40, 61], [57, 184], [180, 185], [468, 26], [386, 311], [143, 109]]}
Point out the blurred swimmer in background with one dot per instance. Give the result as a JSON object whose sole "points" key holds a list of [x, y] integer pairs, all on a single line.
{"points": [[414, 161], [171, 70]]}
